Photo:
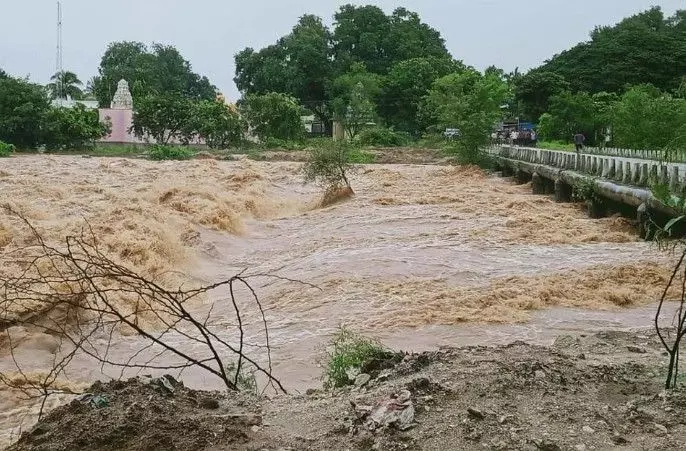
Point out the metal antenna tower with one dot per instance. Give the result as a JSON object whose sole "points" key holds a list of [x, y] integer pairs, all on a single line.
{"points": [[60, 67]]}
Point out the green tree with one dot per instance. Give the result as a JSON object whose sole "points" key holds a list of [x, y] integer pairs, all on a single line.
{"points": [[65, 85], [72, 128], [365, 34], [357, 112], [163, 117], [645, 48], [404, 88], [274, 115], [360, 36], [409, 37], [573, 113], [353, 98], [305, 62], [470, 102], [646, 118], [534, 90], [299, 65], [160, 70], [329, 166], [220, 125], [23, 106]]}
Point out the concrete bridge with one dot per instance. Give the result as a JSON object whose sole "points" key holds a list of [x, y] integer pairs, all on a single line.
{"points": [[620, 184]]}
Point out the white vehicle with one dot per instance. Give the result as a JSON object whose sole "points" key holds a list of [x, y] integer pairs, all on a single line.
{"points": [[451, 133]]}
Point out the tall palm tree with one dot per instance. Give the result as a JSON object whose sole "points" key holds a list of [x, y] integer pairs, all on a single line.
{"points": [[65, 85]]}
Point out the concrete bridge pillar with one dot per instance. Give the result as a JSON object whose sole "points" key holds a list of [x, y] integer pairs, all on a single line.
{"points": [[537, 183], [549, 186], [563, 192], [522, 177], [596, 209]]}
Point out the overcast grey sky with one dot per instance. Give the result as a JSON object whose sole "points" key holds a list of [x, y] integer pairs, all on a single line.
{"points": [[209, 32]]}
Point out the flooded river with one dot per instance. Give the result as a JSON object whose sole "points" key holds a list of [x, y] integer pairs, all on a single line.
{"points": [[423, 256]]}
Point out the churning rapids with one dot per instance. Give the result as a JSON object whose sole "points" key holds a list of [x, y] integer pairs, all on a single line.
{"points": [[422, 256]]}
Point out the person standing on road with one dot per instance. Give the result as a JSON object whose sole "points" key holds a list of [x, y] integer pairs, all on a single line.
{"points": [[579, 140]]}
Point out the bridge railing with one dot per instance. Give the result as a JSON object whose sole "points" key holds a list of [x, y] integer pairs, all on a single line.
{"points": [[655, 155], [628, 170], [642, 154]]}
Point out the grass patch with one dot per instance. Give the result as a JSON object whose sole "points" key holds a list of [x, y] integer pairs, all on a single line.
{"points": [[6, 149], [555, 145], [122, 150], [159, 152], [346, 353], [359, 156]]}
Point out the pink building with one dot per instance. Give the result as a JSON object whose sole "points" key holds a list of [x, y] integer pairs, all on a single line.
{"points": [[120, 116]]}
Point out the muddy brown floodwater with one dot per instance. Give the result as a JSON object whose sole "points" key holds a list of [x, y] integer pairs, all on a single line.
{"points": [[422, 256]]}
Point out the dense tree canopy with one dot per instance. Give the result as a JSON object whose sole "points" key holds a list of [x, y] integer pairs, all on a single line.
{"points": [[274, 115], [570, 114], [72, 128], [23, 107], [299, 65], [534, 91], [470, 102], [28, 121], [307, 62], [158, 70], [220, 125], [353, 98], [647, 118], [645, 48], [365, 34], [163, 117], [404, 88]]}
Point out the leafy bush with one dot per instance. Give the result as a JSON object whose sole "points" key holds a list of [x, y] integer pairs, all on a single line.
{"points": [[164, 117], [161, 152], [431, 141], [359, 156], [281, 144], [23, 107], [586, 191], [6, 149], [220, 125], [346, 353], [329, 166], [72, 128], [380, 136], [319, 142], [466, 155], [274, 115]]}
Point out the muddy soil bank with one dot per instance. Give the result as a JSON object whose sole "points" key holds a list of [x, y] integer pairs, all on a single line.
{"points": [[600, 391]]}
